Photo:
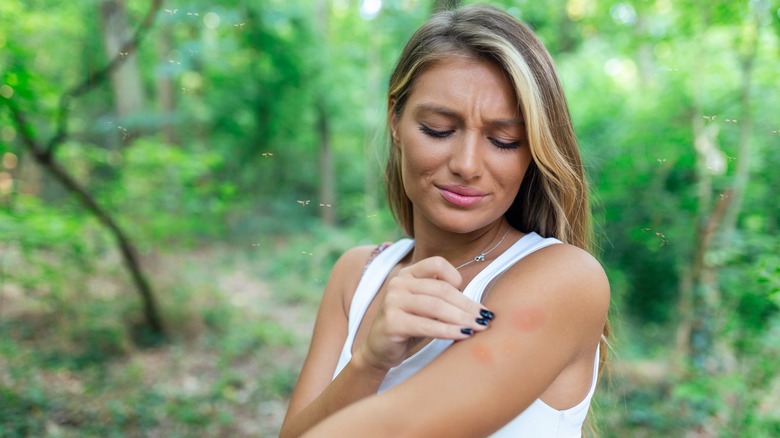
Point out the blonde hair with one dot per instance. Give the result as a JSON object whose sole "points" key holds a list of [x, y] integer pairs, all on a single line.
{"points": [[553, 197]]}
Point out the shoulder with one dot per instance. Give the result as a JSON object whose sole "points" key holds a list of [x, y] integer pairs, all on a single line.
{"points": [[349, 269], [573, 259], [561, 265], [567, 284], [349, 266], [355, 257]]}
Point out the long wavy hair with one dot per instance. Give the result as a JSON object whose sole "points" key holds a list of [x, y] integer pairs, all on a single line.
{"points": [[553, 197]]}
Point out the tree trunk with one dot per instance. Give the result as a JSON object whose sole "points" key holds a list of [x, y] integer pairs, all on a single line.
{"points": [[703, 315], [704, 141], [685, 319], [166, 100], [742, 173], [30, 176], [45, 156], [710, 350], [327, 192], [374, 121], [125, 79], [151, 315], [327, 175]]}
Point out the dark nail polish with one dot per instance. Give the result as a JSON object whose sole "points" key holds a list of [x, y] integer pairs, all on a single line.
{"points": [[487, 314], [467, 331], [482, 321]]}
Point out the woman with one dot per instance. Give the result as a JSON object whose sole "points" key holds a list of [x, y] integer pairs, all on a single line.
{"points": [[489, 322]]}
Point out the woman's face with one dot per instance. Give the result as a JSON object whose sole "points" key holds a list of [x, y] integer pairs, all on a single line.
{"points": [[463, 145]]}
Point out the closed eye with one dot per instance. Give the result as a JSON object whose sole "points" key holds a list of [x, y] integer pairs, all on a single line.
{"points": [[505, 145], [434, 133]]}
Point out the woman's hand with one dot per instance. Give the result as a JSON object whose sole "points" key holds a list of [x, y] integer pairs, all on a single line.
{"points": [[422, 301]]}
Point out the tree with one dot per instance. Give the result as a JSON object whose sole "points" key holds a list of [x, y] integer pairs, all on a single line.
{"points": [[125, 77], [45, 155], [327, 189]]}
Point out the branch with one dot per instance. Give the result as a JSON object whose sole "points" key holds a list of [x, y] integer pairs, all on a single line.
{"points": [[45, 157], [99, 77], [744, 146], [125, 246], [25, 132]]}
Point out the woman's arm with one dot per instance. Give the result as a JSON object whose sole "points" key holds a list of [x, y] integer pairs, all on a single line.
{"points": [[550, 309], [309, 403], [422, 300]]}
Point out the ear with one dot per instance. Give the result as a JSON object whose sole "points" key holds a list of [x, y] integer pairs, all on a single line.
{"points": [[392, 120]]}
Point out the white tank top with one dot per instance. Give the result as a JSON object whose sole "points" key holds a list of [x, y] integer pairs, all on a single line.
{"points": [[538, 419]]}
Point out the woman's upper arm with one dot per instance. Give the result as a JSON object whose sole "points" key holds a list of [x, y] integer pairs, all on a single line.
{"points": [[330, 329], [550, 309]]}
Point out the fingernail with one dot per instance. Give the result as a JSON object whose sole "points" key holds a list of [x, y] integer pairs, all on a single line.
{"points": [[467, 331], [487, 314], [482, 321]]}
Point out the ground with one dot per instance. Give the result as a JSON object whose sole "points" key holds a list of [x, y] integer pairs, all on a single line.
{"points": [[235, 348]]}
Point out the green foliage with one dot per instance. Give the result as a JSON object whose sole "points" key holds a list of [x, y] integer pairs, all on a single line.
{"points": [[172, 196], [243, 167], [282, 382], [86, 381], [312, 254], [20, 414]]}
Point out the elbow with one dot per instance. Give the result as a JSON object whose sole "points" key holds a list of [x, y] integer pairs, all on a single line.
{"points": [[289, 430], [284, 432], [295, 427]]}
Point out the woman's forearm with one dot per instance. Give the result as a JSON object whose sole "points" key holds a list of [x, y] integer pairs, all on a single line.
{"points": [[356, 381]]}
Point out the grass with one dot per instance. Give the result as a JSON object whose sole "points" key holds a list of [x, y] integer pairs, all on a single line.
{"points": [[70, 366]]}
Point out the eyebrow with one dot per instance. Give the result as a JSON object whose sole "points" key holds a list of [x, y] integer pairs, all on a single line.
{"points": [[428, 107]]}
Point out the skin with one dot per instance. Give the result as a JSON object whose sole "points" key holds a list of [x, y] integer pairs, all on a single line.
{"points": [[459, 131]]}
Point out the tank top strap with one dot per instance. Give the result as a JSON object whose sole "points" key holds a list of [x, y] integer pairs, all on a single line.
{"points": [[585, 403], [378, 250], [526, 245]]}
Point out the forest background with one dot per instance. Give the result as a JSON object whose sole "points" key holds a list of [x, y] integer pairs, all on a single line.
{"points": [[178, 178]]}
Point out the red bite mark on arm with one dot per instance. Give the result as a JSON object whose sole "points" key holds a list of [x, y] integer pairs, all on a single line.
{"points": [[482, 354], [527, 318]]}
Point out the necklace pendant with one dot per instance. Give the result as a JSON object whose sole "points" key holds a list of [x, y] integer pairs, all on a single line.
{"points": [[481, 257]]}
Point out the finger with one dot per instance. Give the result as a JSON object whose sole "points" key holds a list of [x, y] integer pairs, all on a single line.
{"points": [[413, 326], [437, 268], [435, 288], [431, 307]]}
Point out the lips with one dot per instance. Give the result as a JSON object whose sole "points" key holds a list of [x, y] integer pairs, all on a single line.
{"points": [[461, 196]]}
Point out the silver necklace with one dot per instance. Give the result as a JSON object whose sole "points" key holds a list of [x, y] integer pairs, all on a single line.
{"points": [[481, 256]]}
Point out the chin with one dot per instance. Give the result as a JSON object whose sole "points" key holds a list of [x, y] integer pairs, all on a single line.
{"points": [[459, 222]]}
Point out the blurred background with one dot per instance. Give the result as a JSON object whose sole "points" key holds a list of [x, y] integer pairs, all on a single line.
{"points": [[178, 178]]}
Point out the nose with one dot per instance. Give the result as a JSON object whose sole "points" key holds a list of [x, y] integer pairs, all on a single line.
{"points": [[465, 157]]}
